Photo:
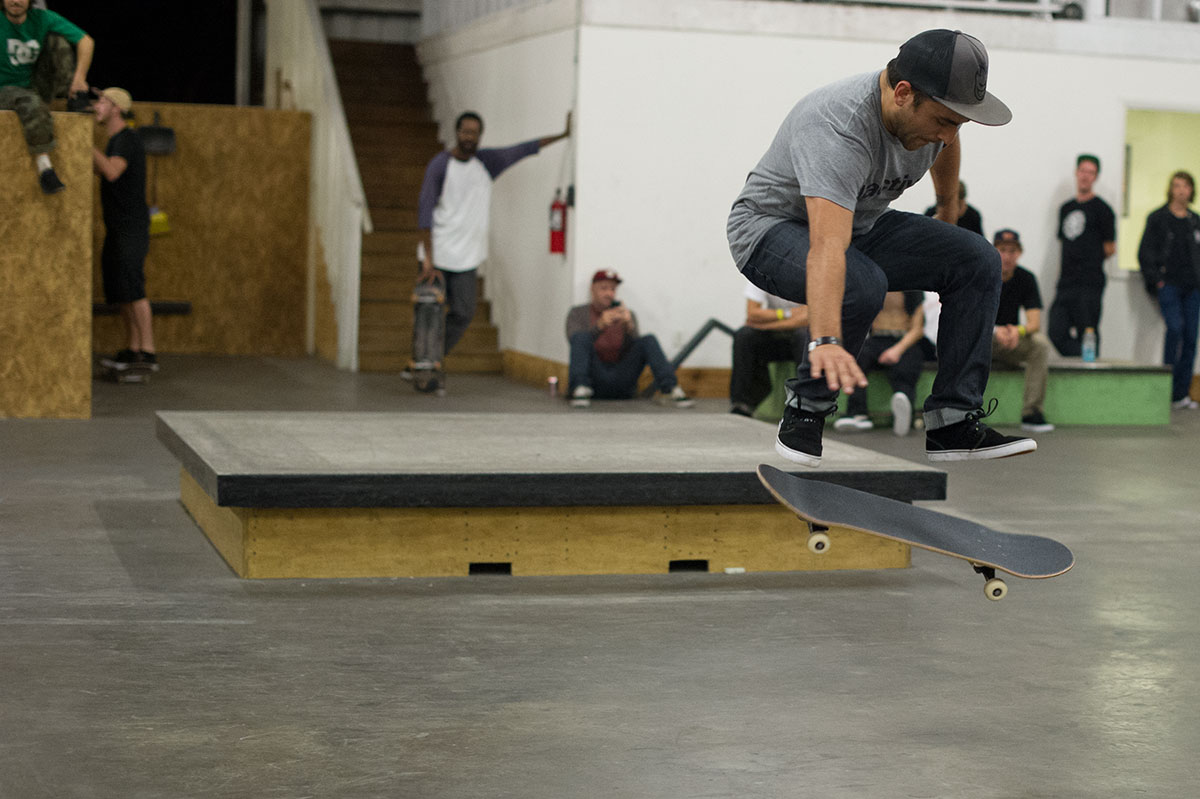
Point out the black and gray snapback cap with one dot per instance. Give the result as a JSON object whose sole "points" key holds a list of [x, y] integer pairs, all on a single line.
{"points": [[952, 68]]}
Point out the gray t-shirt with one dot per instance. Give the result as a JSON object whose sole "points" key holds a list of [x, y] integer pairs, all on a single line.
{"points": [[832, 145]]}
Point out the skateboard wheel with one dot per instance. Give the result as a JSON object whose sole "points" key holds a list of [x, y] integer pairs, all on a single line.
{"points": [[996, 589], [818, 543]]}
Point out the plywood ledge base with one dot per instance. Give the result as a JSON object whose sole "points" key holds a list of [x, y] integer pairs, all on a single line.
{"points": [[261, 543]]}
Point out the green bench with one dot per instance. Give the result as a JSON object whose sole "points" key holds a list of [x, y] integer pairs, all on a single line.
{"points": [[1077, 393]]}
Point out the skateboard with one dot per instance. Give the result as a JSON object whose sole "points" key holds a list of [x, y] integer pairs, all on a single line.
{"points": [[126, 373], [823, 505], [429, 336]]}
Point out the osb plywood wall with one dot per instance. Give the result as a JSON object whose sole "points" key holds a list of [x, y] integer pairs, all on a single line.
{"points": [[45, 275], [236, 195]]}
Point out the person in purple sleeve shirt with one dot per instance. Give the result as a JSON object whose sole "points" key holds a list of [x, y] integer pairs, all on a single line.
{"points": [[453, 213]]}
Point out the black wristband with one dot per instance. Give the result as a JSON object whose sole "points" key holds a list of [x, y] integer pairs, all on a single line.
{"points": [[818, 342]]}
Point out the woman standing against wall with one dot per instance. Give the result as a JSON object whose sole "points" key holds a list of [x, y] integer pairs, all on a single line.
{"points": [[1169, 256]]}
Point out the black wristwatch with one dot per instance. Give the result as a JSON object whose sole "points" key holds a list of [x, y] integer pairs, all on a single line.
{"points": [[823, 340]]}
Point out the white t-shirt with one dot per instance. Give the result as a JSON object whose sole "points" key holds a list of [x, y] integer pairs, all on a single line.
{"points": [[460, 219], [768, 301]]}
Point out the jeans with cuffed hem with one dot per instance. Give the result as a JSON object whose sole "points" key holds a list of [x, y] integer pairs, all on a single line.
{"points": [[901, 252], [617, 380]]}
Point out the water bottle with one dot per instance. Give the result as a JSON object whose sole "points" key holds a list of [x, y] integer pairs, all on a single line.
{"points": [[1089, 345]]}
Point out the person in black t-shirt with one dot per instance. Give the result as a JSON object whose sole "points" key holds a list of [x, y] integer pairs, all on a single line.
{"points": [[1169, 255], [1087, 228], [122, 171], [1017, 344], [968, 217]]}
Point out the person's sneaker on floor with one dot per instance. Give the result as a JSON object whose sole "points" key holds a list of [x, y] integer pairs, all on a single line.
{"points": [[742, 409], [1186, 403], [1035, 422], [901, 413], [676, 398], [406, 375], [49, 182], [581, 397], [971, 440], [853, 423], [121, 361], [799, 436], [147, 360]]}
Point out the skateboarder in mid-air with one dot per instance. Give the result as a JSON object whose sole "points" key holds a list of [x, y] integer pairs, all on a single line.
{"points": [[812, 225]]}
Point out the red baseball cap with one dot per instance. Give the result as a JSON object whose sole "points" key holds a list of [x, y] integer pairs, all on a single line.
{"points": [[606, 274]]}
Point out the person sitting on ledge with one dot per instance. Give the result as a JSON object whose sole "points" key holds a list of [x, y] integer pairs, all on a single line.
{"points": [[23, 33]]}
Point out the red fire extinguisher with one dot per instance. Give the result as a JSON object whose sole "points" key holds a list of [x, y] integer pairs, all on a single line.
{"points": [[558, 224]]}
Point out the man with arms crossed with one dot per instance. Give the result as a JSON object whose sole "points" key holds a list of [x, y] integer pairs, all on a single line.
{"points": [[812, 225]]}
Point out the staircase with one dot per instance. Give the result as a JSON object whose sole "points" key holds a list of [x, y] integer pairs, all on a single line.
{"points": [[394, 137]]}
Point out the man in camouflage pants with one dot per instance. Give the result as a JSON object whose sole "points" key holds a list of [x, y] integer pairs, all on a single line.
{"points": [[25, 35]]}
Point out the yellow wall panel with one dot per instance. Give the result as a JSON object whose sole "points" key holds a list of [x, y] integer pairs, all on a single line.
{"points": [[45, 275], [236, 195]]}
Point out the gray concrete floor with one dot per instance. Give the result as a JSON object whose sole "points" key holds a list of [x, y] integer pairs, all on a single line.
{"points": [[134, 664]]}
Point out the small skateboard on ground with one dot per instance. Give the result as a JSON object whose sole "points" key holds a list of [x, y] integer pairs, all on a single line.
{"points": [[429, 336], [125, 372], [823, 505]]}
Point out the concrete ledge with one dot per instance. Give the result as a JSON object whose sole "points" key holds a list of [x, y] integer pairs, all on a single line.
{"points": [[295, 460], [376, 495]]}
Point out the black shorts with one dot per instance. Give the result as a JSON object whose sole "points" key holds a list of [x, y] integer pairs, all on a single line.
{"points": [[122, 263]]}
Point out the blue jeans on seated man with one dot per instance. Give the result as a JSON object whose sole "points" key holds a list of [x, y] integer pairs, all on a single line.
{"points": [[618, 380], [901, 252]]}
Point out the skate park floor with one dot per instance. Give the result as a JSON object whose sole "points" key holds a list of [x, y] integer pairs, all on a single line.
{"points": [[137, 664]]}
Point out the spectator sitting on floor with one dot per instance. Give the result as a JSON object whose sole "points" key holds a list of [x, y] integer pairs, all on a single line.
{"points": [[775, 330], [1016, 344], [608, 355], [892, 344]]}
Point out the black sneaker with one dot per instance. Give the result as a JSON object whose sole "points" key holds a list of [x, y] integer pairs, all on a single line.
{"points": [[1035, 423], [121, 361], [972, 440], [799, 437], [49, 182], [742, 409], [147, 361]]}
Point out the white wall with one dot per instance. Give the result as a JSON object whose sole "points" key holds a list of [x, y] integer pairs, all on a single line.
{"points": [[678, 99], [522, 85]]}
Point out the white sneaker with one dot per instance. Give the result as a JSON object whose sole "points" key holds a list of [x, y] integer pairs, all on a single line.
{"points": [[581, 397], [1187, 403], [676, 398], [860, 422], [901, 414]]}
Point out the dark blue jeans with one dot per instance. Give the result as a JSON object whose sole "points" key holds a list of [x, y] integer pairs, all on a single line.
{"points": [[902, 252], [461, 291], [1181, 311], [618, 380]]}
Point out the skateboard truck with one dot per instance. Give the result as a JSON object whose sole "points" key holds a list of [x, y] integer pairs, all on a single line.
{"points": [[818, 537], [995, 589]]}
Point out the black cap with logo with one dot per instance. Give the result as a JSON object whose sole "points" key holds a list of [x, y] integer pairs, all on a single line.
{"points": [[952, 68]]}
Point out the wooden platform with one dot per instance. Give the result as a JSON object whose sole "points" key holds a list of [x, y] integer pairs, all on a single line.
{"points": [[406, 495]]}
